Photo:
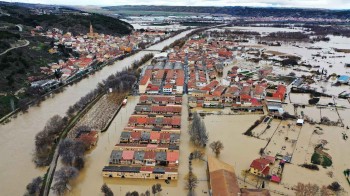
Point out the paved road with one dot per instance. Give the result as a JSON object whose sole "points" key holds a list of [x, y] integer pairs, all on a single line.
{"points": [[26, 44]]}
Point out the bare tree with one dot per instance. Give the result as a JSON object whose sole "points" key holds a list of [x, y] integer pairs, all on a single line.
{"points": [[70, 150], [325, 191], [306, 189], [62, 178], [45, 139], [216, 147], [33, 188], [106, 190], [198, 132], [191, 181], [197, 154]]}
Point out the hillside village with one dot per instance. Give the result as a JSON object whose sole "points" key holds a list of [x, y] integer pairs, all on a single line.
{"points": [[92, 51]]}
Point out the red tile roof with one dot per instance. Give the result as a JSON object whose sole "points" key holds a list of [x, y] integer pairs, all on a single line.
{"points": [[172, 156], [260, 164], [128, 154], [155, 135]]}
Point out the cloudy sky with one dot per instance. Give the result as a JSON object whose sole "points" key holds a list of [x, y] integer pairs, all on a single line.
{"points": [[329, 4]]}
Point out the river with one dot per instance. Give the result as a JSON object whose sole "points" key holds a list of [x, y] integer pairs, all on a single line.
{"points": [[17, 137]]}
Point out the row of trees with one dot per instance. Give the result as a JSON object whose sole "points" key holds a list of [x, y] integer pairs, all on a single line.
{"points": [[191, 178], [136, 64], [119, 82], [156, 188], [313, 189], [45, 140], [72, 156], [198, 132]]}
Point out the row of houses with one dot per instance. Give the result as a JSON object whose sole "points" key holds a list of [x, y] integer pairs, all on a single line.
{"points": [[163, 78], [144, 158], [148, 147]]}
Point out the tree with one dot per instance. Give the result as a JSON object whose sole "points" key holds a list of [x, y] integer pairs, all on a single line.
{"points": [[147, 193], [70, 150], [62, 178], [198, 132], [159, 187], [106, 190], [154, 189], [191, 181], [79, 163], [33, 188], [306, 189], [197, 154], [325, 191], [216, 147], [335, 186]]}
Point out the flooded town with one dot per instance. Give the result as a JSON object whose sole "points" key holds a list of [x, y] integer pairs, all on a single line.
{"points": [[238, 106]]}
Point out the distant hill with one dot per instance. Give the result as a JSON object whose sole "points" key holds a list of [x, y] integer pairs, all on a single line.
{"points": [[75, 22], [240, 11]]}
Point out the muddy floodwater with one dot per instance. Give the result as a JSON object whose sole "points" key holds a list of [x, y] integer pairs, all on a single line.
{"points": [[17, 136]]}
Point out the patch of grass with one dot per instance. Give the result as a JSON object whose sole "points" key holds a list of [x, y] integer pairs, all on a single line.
{"points": [[315, 158], [320, 159]]}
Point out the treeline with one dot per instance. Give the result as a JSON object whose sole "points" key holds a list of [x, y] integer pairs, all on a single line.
{"points": [[136, 64], [47, 138], [286, 36], [329, 30], [72, 157], [243, 11], [119, 82], [180, 42]]}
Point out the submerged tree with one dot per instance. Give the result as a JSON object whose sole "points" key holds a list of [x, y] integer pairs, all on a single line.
{"points": [[191, 182], [198, 132], [33, 188], [216, 147], [106, 190], [306, 189], [62, 178]]}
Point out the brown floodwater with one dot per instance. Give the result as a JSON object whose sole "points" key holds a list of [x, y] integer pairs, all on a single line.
{"points": [[17, 136]]}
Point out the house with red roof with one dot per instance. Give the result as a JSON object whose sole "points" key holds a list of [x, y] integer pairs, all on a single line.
{"points": [[172, 158], [218, 91], [135, 137], [280, 92], [164, 138], [154, 137], [145, 81], [150, 158], [260, 167], [127, 157], [168, 88]]}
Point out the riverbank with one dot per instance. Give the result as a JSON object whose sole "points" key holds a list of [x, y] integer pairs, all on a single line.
{"points": [[78, 78]]}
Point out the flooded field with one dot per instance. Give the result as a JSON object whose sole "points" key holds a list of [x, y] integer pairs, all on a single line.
{"points": [[17, 136]]}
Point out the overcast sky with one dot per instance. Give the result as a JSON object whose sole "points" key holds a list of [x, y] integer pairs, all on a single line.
{"points": [[329, 4]]}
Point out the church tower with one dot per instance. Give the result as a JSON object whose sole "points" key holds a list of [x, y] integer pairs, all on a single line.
{"points": [[91, 34], [91, 29]]}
